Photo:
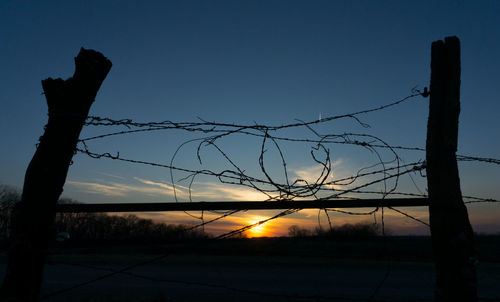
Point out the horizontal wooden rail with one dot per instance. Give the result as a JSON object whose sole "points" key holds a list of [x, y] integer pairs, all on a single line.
{"points": [[241, 205]]}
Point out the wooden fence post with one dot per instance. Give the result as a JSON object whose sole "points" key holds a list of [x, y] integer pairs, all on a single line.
{"points": [[452, 235], [68, 103]]}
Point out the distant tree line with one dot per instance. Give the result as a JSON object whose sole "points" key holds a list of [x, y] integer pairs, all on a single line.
{"points": [[101, 226], [130, 228], [362, 230]]}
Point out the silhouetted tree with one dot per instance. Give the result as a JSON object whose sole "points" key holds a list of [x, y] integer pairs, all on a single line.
{"points": [[296, 231], [8, 198], [69, 102]]}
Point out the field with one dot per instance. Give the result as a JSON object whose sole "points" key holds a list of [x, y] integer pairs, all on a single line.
{"points": [[265, 269]]}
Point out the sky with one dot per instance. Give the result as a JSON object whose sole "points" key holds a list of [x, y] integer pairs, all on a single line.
{"points": [[247, 62]]}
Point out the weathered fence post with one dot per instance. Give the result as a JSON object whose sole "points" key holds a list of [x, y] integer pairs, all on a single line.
{"points": [[452, 235], [68, 103]]}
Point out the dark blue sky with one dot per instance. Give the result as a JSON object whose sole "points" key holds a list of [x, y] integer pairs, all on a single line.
{"points": [[245, 61]]}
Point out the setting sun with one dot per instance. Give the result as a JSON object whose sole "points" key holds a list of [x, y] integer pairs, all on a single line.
{"points": [[258, 230]]}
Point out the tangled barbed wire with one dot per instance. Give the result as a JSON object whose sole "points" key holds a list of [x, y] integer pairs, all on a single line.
{"points": [[321, 187], [381, 178]]}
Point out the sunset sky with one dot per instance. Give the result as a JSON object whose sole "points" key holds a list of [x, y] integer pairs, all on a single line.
{"points": [[251, 62]]}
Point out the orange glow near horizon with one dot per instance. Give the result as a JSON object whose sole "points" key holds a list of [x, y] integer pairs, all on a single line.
{"points": [[395, 223], [258, 230]]}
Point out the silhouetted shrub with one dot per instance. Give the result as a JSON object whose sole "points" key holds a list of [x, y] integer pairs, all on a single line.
{"points": [[355, 231], [344, 232]]}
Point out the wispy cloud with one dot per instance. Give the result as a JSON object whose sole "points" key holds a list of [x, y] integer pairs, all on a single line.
{"points": [[111, 175], [200, 191], [111, 189], [214, 191], [166, 186], [311, 174], [206, 191], [121, 189]]}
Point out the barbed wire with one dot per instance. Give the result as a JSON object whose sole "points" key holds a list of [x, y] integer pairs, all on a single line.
{"points": [[99, 121], [479, 159], [410, 216], [274, 190], [385, 172]]}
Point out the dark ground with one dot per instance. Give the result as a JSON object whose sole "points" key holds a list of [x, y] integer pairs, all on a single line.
{"points": [[262, 269]]}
